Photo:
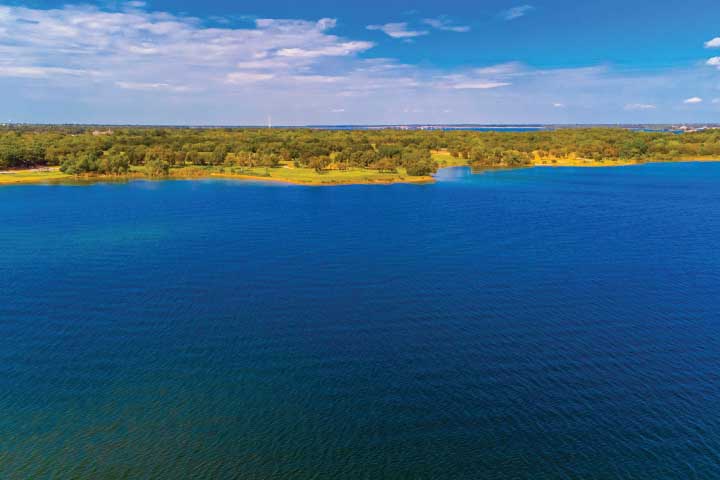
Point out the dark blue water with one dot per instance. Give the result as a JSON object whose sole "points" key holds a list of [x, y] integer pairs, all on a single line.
{"points": [[542, 323]]}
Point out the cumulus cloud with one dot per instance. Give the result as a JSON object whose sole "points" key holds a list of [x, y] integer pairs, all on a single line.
{"points": [[714, 62], [714, 43], [516, 12], [693, 100], [442, 23], [140, 50], [558, 105], [398, 30], [138, 66]]}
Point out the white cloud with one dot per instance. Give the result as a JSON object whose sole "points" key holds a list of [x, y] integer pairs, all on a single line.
{"points": [[714, 62], [316, 78], [714, 43], [41, 72], [338, 110], [516, 12], [504, 69], [264, 64], [152, 86], [484, 78], [398, 30], [144, 48], [640, 106], [693, 100], [340, 50], [239, 78], [444, 24], [134, 49], [326, 23], [137, 66], [479, 85], [716, 100], [558, 105]]}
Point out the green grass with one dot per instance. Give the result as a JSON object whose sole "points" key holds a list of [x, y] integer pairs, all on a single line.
{"points": [[32, 176], [444, 159], [305, 176]]}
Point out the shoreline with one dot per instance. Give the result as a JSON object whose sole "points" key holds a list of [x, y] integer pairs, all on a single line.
{"points": [[53, 176], [610, 163], [596, 165], [259, 178]]}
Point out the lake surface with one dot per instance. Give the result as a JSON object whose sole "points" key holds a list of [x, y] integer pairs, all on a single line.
{"points": [[541, 323]]}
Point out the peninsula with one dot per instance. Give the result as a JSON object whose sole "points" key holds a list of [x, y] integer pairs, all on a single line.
{"points": [[46, 154]]}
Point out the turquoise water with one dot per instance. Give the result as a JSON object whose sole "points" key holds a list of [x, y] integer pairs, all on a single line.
{"points": [[541, 323]]}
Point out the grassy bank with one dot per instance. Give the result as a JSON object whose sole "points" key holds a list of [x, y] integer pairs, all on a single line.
{"points": [[444, 159], [284, 174], [32, 176], [304, 176]]}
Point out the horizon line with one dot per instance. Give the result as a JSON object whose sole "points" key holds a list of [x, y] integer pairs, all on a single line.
{"points": [[357, 125]]}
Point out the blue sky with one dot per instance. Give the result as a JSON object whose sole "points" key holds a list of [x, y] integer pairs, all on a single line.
{"points": [[329, 62]]}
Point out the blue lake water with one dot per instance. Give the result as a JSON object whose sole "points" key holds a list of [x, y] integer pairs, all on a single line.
{"points": [[541, 323]]}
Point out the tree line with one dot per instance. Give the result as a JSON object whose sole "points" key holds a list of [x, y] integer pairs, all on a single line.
{"points": [[88, 150]]}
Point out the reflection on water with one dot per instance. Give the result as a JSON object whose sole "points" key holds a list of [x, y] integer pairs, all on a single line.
{"points": [[453, 174]]}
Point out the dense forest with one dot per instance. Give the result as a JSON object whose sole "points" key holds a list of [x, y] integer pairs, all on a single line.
{"points": [[114, 151]]}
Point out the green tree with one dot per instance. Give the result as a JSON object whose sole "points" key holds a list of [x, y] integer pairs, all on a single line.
{"points": [[156, 167], [319, 163]]}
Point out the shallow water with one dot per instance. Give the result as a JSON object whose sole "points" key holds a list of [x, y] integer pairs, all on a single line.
{"points": [[542, 323]]}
